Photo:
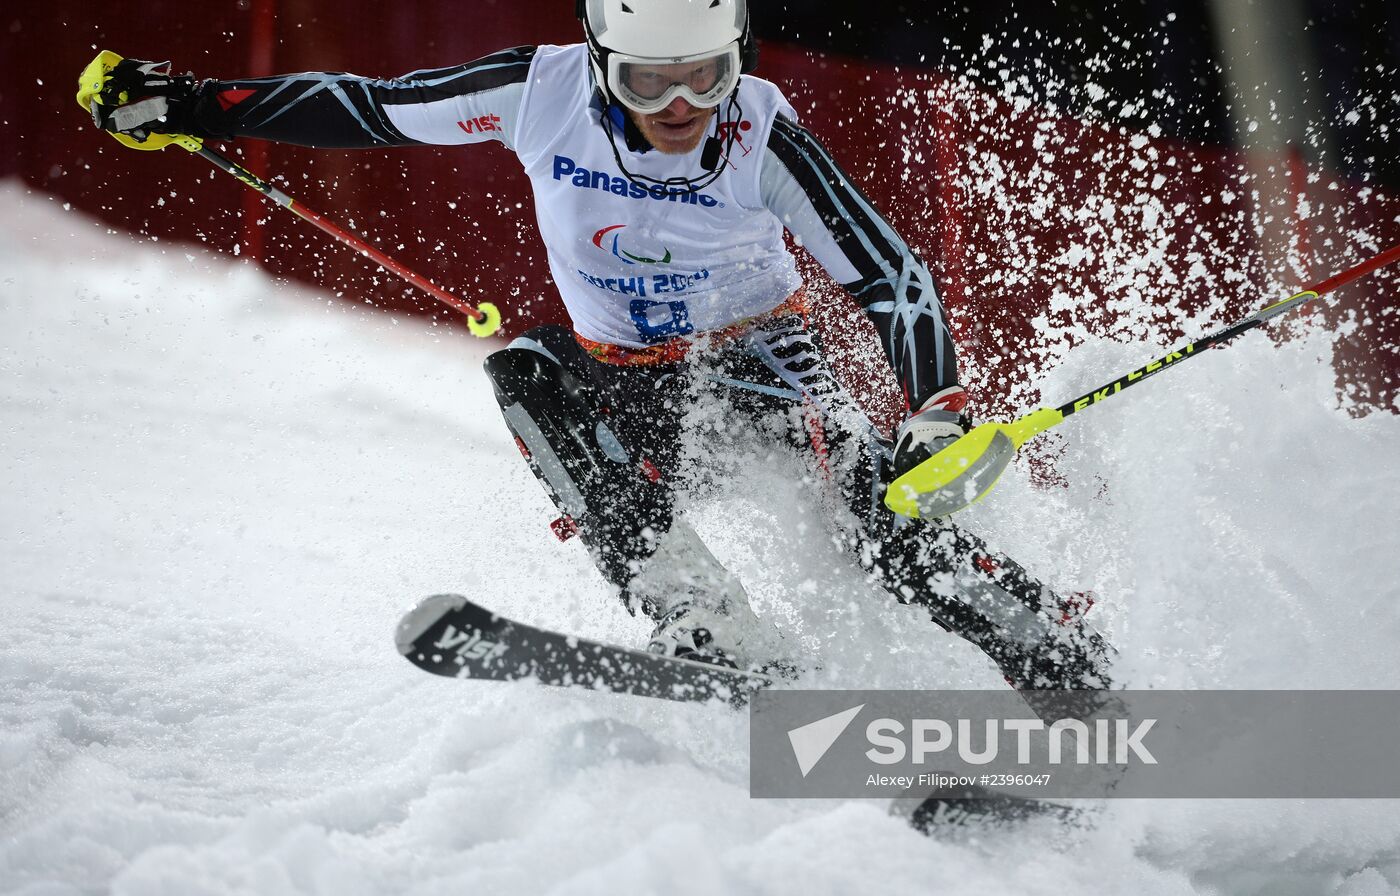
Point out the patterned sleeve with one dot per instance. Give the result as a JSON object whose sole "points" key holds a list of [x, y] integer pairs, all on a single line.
{"points": [[833, 219], [467, 103]]}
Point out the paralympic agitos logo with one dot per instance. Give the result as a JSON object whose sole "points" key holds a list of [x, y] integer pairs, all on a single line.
{"points": [[566, 169], [613, 246]]}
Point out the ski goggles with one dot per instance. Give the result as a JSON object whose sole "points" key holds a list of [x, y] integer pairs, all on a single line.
{"points": [[648, 85]]}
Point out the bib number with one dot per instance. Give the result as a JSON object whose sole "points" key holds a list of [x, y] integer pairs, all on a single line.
{"points": [[659, 321]]}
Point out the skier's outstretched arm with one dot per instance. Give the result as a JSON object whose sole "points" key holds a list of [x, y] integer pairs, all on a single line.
{"points": [[823, 208], [802, 184], [467, 103]]}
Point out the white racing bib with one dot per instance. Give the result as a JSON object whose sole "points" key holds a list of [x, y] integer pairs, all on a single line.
{"points": [[636, 265]]}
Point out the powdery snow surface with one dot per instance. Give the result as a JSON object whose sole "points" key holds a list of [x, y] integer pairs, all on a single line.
{"points": [[220, 492]]}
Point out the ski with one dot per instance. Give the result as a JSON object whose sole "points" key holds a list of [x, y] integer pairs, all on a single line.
{"points": [[448, 635], [976, 808]]}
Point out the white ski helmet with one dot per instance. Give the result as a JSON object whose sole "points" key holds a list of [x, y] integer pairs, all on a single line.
{"points": [[645, 53]]}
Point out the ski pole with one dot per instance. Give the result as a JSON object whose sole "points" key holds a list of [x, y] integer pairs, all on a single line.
{"points": [[966, 470], [482, 320]]}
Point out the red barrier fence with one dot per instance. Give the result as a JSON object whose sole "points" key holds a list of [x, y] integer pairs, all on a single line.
{"points": [[1040, 228]]}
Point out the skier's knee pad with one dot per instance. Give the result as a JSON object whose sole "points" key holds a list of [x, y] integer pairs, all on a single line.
{"points": [[536, 365], [556, 417], [552, 413]]}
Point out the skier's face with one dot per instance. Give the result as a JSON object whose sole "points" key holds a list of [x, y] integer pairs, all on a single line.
{"points": [[678, 128]]}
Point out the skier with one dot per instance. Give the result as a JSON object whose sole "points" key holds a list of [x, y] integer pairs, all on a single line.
{"points": [[664, 175]]}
